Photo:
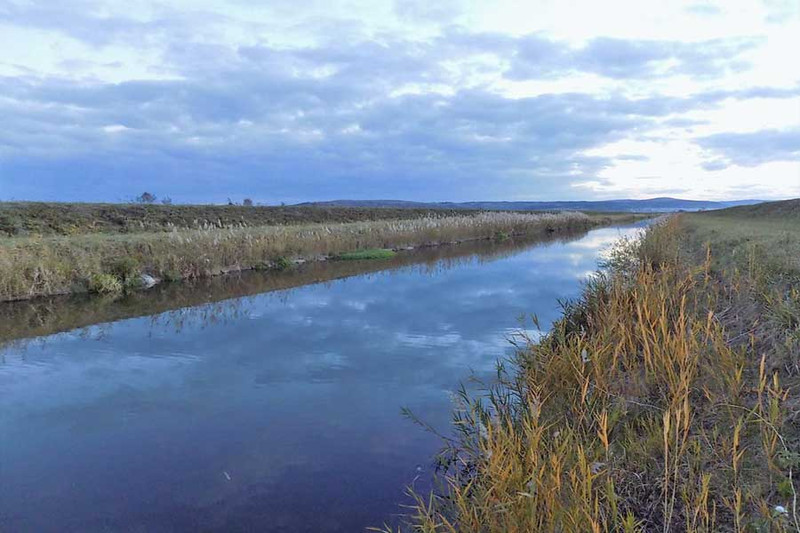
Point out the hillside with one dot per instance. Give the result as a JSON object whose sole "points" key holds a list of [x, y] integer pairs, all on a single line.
{"points": [[785, 209], [649, 205], [767, 234]]}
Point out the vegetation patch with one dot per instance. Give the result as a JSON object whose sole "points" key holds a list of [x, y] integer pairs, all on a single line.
{"points": [[373, 253], [104, 284], [39, 266], [660, 401]]}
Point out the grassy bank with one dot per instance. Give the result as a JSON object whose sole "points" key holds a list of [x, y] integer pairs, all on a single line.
{"points": [[217, 297], [107, 263], [665, 399]]}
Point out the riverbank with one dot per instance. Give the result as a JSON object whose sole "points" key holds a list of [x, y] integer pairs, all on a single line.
{"points": [[665, 398], [113, 262], [216, 297]]}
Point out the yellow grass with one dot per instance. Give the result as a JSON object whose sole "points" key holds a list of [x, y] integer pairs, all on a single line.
{"points": [[54, 265], [638, 412]]}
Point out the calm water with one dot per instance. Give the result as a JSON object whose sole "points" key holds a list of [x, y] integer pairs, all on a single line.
{"points": [[273, 412]]}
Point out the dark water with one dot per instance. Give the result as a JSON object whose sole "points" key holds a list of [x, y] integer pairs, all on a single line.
{"points": [[277, 411]]}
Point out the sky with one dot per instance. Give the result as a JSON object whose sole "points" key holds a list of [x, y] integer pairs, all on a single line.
{"points": [[287, 101]]}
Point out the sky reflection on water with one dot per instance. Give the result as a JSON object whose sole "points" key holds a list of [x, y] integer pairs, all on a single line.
{"points": [[273, 412]]}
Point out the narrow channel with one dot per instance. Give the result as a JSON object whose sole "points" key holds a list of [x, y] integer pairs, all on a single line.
{"points": [[276, 408]]}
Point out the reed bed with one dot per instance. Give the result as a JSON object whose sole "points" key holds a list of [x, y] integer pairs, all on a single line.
{"points": [[109, 262], [639, 411]]}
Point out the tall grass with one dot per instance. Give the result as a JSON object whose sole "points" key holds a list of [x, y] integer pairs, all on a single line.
{"points": [[636, 413], [46, 316], [54, 265]]}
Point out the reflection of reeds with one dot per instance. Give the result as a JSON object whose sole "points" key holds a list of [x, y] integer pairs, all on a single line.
{"points": [[56, 265], [636, 413], [179, 303]]}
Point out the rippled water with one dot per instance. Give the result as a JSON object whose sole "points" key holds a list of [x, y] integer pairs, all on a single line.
{"points": [[278, 411]]}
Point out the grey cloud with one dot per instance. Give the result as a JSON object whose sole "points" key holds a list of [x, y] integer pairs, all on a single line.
{"points": [[80, 19], [752, 149], [532, 56], [261, 130], [628, 59], [316, 122]]}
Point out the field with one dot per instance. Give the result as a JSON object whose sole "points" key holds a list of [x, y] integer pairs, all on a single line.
{"points": [[115, 261], [665, 398], [24, 219], [763, 236]]}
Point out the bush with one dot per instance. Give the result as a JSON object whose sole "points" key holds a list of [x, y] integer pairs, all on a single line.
{"points": [[125, 269], [146, 198], [104, 284], [281, 263]]}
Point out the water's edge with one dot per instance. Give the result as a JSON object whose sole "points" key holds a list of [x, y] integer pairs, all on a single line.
{"points": [[50, 315]]}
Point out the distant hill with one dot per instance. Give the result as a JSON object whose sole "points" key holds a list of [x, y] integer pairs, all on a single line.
{"points": [[649, 205]]}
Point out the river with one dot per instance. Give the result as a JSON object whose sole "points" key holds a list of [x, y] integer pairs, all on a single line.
{"points": [[274, 407]]}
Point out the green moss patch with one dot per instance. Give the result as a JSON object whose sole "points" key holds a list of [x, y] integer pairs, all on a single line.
{"points": [[374, 253]]}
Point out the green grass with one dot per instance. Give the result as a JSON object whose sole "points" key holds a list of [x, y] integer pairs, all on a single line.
{"points": [[373, 253], [766, 236], [664, 399]]}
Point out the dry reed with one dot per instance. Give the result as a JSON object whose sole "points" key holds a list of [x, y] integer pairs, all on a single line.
{"points": [[636, 413], [55, 265]]}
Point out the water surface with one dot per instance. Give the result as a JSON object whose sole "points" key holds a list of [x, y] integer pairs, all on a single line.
{"points": [[276, 411]]}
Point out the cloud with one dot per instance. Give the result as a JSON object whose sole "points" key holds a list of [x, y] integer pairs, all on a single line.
{"points": [[352, 110], [87, 21], [704, 9], [425, 11], [629, 59], [752, 149], [261, 129]]}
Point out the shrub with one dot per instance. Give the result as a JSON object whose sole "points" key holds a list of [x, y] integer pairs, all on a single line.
{"points": [[501, 236], [146, 198], [104, 284], [125, 269], [281, 263]]}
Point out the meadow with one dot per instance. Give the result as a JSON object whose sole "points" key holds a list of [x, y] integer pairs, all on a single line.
{"points": [[113, 262], [664, 399]]}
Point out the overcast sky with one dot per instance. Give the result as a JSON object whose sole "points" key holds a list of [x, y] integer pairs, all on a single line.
{"points": [[290, 101]]}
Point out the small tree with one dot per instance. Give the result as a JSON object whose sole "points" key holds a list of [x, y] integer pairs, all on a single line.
{"points": [[247, 202], [146, 198], [166, 200]]}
